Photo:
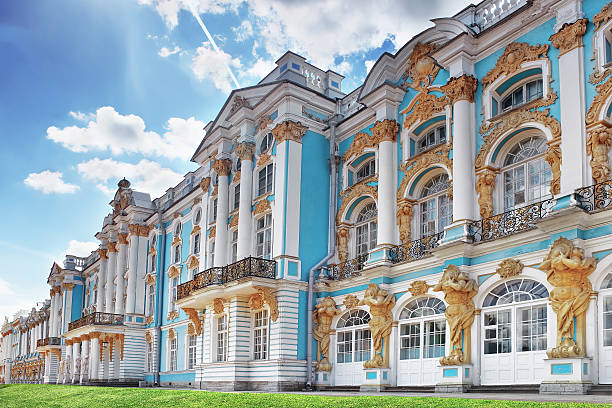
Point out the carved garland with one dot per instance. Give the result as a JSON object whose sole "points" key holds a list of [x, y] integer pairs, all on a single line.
{"points": [[422, 162], [423, 107], [383, 130], [218, 306], [173, 272], [599, 103], [357, 191], [212, 232], [419, 287], [512, 58], [289, 130], [262, 206], [351, 302], [603, 16], [192, 262]]}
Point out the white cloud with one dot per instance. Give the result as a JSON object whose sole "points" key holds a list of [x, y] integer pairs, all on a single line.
{"points": [[80, 248], [165, 52], [5, 289], [146, 176], [369, 64], [119, 134], [243, 31], [83, 117], [50, 182], [210, 65], [169, 9], [260, 69]]}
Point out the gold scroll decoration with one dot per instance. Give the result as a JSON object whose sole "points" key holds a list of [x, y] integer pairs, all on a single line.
{"points": [[459, 290], [380, 303], [194, 316], [289, 130], [264, 296], [419, 287], [568, 270], [323, 315], [569, 36]]}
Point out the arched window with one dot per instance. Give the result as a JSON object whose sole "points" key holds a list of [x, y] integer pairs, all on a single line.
{"points": [[354, 338], [423, 307], [432, 138], [266, 142], [435, 207], [366, 170], [522, 301], [365, 229], [526, 174], [425, 329], [521, 95]]}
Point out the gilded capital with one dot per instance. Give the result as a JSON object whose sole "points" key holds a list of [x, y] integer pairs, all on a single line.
{"points": [[103, 253], [112, 247], [139, 230], [569, 36], [245, 151], [461, 88], [289, 130], [122, 238], [204, 184], [385, 130], [223, 167]]}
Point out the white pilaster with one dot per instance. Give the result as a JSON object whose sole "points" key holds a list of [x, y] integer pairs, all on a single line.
{"points": [[102, 272], [94, 359], [387, 187], [463, 160], [244, 210], [121, 269], [110, 277], [222, 167], [130, 301]]}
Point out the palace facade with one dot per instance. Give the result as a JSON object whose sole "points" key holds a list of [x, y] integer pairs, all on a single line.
{"points": [[445, 225]]}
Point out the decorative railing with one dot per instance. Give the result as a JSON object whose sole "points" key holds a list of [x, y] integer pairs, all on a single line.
{"points": [[48, 341], [511, 222], [348, 269], [596, 197], [414, 250], [490, 12], [97, 318], [248, 267]]}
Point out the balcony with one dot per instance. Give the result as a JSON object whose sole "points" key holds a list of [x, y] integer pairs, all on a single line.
{"points": [[97, 318], [596, 197], [48, 341], [414, 250], [248, 267]]}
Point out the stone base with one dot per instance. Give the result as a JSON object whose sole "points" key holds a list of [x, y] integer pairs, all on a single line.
{"points": [[322, 378], [567, 376], [269, 386], [375, 379], [455, 378]]}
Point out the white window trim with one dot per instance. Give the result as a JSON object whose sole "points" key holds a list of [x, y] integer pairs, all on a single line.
{"points": [[195, 358], [406, 135], [169, 353], [415, 222], [424, 132], [215, 331], [256, 180], [489, 91], [350, 168], [255, 231], [599, 45], [252, 333]]}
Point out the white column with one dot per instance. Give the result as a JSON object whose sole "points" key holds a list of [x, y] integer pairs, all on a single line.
{"points": [[223, 168], [58, 317], [105, 350], [94, 358], [110, 277], [574, 160], [121, 269], [67, 310], [69, 360], [245, 152], [385, 132], [101, 280], [76, 356], [141, 270], [84, 374], [461, 90], [131, 285], [52, 314]]}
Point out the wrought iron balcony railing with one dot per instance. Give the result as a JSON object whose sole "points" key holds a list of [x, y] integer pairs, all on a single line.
{"points": [[511, 222], [248, 267], [97, 318], [48, 341], [348, 269], [596, 197], [414, 250]]}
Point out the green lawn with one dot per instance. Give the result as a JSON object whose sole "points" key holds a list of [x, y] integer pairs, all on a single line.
{"points": [[30, 396]]}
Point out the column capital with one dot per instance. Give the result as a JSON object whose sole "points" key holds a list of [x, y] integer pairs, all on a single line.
{"points": [[103, 253], [289, 130], [122, 238], [112, 247], [138, 230], [461, 88], [385, 130], [569, 36], [245, 151], [205, 184], [223, 167]]}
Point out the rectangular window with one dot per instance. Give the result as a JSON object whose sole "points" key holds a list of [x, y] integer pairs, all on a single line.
{"points": [[236, 196], [150, 357], [608, 51], [153, 263], [196, 244], [532, 329], [211, 253], [234, 245], [222, 338], [151, 300], [265, 179], [173, 352], [191, 351], [260, 335], [363, 343], [177, 254], [410, 341], [173, 289], [434, 338], [264, 237], [214, 211], [345, 347], [607, 321], [497, 338]]}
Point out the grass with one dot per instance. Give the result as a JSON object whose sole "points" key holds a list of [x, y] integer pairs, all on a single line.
{"points": [[31, 395]]}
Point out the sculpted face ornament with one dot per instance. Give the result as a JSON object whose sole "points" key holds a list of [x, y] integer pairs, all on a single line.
{"points": [[323, 315], [567, 269], [380, 304], [459, 290], [509, 268]]}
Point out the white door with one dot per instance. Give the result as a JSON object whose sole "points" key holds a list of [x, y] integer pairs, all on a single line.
{"points": [[421, 346], [514, 333], [605, 341], [353, 347]]}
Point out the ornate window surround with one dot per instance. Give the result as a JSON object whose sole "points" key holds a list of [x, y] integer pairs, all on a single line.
{"points": [[356, 164], [351, 223], [603, 31]]}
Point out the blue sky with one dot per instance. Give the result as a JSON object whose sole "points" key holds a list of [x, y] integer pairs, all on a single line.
{"points": [[95, 90]]}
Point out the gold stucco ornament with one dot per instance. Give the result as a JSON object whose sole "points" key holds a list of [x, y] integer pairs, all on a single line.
{"points": [[323, 315], [567, 269], [459, 290], [598, 146], [509, 268], [380, 303], [484, 187]]}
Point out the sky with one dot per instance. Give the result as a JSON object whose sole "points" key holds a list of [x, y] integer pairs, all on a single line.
{"points": [[92, 91]]}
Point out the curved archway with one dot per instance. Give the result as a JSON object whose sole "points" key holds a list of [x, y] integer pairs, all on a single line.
{"points": [[353, 346]]}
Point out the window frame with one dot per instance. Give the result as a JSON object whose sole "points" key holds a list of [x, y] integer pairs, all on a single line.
{"points": [[261, 332], [173, 353], [221, 338], [268, 179], [423, 201], [438, 141], [266, 230], [191, 350], [371, 227]]}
